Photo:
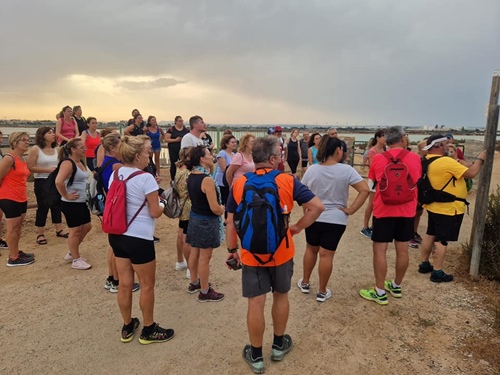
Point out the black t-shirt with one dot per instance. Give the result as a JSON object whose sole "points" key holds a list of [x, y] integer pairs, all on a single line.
{"points": [[207, 141], [82, 124], [175, 147]]}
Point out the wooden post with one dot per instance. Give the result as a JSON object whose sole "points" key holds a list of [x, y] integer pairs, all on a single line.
{"points": [[483, 190]]}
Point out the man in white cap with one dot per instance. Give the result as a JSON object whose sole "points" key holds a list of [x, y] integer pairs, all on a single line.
{"points": [[445, 218]]}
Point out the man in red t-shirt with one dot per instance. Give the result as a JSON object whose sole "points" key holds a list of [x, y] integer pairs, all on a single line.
{"points": [[274, 275], [391, 222]]}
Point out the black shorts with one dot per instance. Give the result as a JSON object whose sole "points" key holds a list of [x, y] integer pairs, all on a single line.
{"points": [[325, 235], [387, 229], [76, 214], [138, 250], [304, 163], [261, 280], [13, 209], [183, 224], [444, 227]]}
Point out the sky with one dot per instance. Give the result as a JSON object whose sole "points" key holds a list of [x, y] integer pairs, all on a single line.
{"points": [[335, 62]]}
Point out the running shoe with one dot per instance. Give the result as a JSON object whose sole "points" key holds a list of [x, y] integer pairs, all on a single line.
{"points": [[108, 285], [180, 266], [193, 288], [68, 257], [210, 296], [156, 334], [26, 255], [371, 295], [413, 244], [440, 277], [3, 245], [156, 239], [425, 267], [418, 238], [20, 261], [278, 353], [304, 288], [257, 365], [80, 264], [128, 332], [323, 296], [367, 232], [395, 292], [114, 288]]}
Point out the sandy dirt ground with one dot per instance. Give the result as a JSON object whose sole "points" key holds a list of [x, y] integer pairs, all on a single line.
{"points": [[56, 320]]}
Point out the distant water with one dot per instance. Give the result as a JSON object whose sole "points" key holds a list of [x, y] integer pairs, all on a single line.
{"points": [[360, 137]]}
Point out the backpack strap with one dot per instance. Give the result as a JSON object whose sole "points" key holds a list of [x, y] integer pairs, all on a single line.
{"points": [[72, 177], [13, 160], [402, 154], [136, 173]]}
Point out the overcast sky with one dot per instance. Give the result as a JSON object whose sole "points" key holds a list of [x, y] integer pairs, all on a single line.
{"points": [[416, 62]]}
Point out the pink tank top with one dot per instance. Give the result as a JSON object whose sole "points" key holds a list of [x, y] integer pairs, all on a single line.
{"points": [[67, 129]]}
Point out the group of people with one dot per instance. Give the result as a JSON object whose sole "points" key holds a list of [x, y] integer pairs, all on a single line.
{"points": [[209, 205]]}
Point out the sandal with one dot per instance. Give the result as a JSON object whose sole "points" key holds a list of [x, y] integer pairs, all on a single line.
{"points": [[42, 241], [65, 235]]}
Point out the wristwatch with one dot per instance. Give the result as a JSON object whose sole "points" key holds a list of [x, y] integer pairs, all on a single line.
{"points": [[232, 251]]}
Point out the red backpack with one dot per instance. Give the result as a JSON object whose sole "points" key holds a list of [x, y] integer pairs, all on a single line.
{"points": [[114, 219], [396, 185]]}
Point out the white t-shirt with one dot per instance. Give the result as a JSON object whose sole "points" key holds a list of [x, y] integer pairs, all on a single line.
{"points": [[137, 188], [330, 183], [190, 140]]}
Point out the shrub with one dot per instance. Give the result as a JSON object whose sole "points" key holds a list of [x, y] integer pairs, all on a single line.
{"points": [[489, 265]]}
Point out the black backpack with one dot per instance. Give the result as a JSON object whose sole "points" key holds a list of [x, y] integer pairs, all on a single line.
{"points": [[52, 196], [426, 192]]}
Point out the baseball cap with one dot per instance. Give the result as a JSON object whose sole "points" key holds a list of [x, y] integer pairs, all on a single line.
{"points": [[433, 139], [270, 131], [278, 129]]}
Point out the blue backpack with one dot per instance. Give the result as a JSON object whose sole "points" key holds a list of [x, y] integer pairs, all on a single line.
{"points": [[259, 219]]}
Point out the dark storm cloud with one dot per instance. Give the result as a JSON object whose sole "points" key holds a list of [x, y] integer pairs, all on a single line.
{"points": [[380, 61]]}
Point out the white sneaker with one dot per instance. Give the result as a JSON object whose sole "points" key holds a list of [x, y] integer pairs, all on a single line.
{"points": [[68, 257], [322, 297], [188, 274], [179, 266], [80, 264]]}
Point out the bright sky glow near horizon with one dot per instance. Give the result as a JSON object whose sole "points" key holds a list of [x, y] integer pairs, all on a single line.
{"points": [[363, 62]]}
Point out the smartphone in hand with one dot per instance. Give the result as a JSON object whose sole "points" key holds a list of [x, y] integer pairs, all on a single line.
{"points": [[233, 263]]}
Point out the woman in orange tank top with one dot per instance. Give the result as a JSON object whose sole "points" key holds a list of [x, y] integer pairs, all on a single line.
{"points": [[14, 174]]}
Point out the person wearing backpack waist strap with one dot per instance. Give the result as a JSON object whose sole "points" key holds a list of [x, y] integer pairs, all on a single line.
{"points": [[274, 270], [445, 218], [396, 173]]}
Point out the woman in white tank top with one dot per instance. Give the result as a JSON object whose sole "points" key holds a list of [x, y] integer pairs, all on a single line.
{"points": [[42, 159]]}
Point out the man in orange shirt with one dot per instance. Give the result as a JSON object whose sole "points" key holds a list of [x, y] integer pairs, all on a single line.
{"points": [[273, 272]]}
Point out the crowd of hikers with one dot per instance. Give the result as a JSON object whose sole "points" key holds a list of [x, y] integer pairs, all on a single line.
{"points": [[239, 193]]}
